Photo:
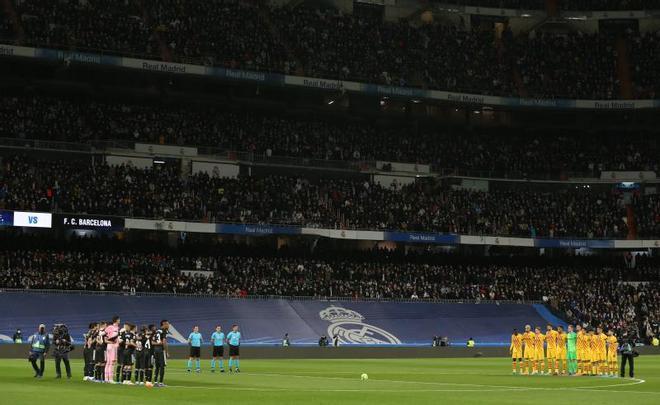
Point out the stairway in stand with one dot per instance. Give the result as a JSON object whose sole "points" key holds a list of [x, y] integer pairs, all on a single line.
{"points": [[623, 68]]}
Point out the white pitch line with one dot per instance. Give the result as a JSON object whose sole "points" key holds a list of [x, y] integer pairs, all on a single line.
{"points": [[344, 389], [493, 388]]}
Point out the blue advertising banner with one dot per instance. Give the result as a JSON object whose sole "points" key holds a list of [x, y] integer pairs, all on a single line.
{"points": [[574, 243], [419, 237], [239, 229], [79, 57]]}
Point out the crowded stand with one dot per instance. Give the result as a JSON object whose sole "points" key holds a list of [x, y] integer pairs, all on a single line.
{"points": [[234, 35], [492, 153], [324, 43], [512, 4], [648, 218], [578, 289], [614, 5], [161, 192], [570, 5], [563, 76], [645, 55]]}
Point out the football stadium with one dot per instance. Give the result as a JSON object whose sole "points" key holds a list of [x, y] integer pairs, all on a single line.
{"points": [[329, 201]]}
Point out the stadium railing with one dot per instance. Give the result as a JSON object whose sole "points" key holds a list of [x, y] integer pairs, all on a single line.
{"points": [[266, 297]]}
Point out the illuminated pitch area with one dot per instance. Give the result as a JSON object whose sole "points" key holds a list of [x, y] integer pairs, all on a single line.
{"points": [[396, 381]]}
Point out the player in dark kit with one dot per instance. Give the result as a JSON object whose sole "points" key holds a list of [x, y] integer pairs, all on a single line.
{"points": [[129, 342], [99, 353], [120, 354], [159, 343], [140, 355], [148, 352], [88, 352]]}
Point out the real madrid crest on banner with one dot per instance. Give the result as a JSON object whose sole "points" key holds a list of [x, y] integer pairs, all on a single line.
{"points": [[348, 326]]}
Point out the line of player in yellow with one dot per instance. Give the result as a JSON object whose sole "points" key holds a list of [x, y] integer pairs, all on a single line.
{"points": [[576, 351]]}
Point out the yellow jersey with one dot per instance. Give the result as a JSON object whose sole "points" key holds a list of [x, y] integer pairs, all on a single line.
{"points": [[561, 343], [516, 346], [528, 342], [612, 346], [551, 340], [582, 345], [539, 338], [601, 342]]}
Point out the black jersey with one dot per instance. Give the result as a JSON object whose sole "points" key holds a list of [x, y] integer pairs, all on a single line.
{"points": [[100, 341], [90, 338], [146, 341], [128, 341], [158, 339], [139, 343], [122, 339]]}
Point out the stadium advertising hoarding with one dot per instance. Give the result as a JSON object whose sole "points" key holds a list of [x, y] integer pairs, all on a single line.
{"points": [[320, 83], [100, 222], [575, 243], [420, 237], [239, 229], [96, 222], [33, 219]]}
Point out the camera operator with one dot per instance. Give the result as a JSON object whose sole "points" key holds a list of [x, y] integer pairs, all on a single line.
{"points": [[40, 344], [62, 342], [628, 354], [323, 341], [18, 337]]}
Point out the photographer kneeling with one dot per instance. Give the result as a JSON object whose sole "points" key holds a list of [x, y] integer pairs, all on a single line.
{"points": [[39, 347]]}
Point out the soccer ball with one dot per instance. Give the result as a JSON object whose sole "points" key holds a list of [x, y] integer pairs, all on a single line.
{"points": [[364, 377], [149, 384]]}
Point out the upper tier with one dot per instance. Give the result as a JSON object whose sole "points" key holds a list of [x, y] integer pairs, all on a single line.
{"points": [[331, 45]]}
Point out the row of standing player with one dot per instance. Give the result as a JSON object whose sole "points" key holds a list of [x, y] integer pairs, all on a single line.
{"points": [[218, 339], [112, 354], [575, 352]]}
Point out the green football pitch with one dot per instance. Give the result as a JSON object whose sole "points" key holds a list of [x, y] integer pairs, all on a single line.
{"points": [[391, 381]]}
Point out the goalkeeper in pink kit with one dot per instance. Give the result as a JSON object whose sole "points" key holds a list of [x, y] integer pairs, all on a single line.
{"points": [[112, 340]]}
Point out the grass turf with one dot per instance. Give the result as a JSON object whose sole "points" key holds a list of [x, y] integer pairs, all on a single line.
{"points": [[391, 381]]}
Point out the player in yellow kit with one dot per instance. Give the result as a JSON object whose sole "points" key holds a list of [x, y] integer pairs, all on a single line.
{"points": [[516, 350], [551, 350], [529, 349], [562, 337], [593, 352], [601, 351], [612, 350], [539, 355], [580, 349]]}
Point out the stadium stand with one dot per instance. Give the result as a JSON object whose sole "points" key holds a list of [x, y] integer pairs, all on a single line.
{"points": [[581, 5], [162, 192], [488, 152], [620, 294], [321, 42]]}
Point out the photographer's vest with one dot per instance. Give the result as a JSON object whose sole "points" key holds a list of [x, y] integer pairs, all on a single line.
{"points": [[627, 349], [39, 342]]}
